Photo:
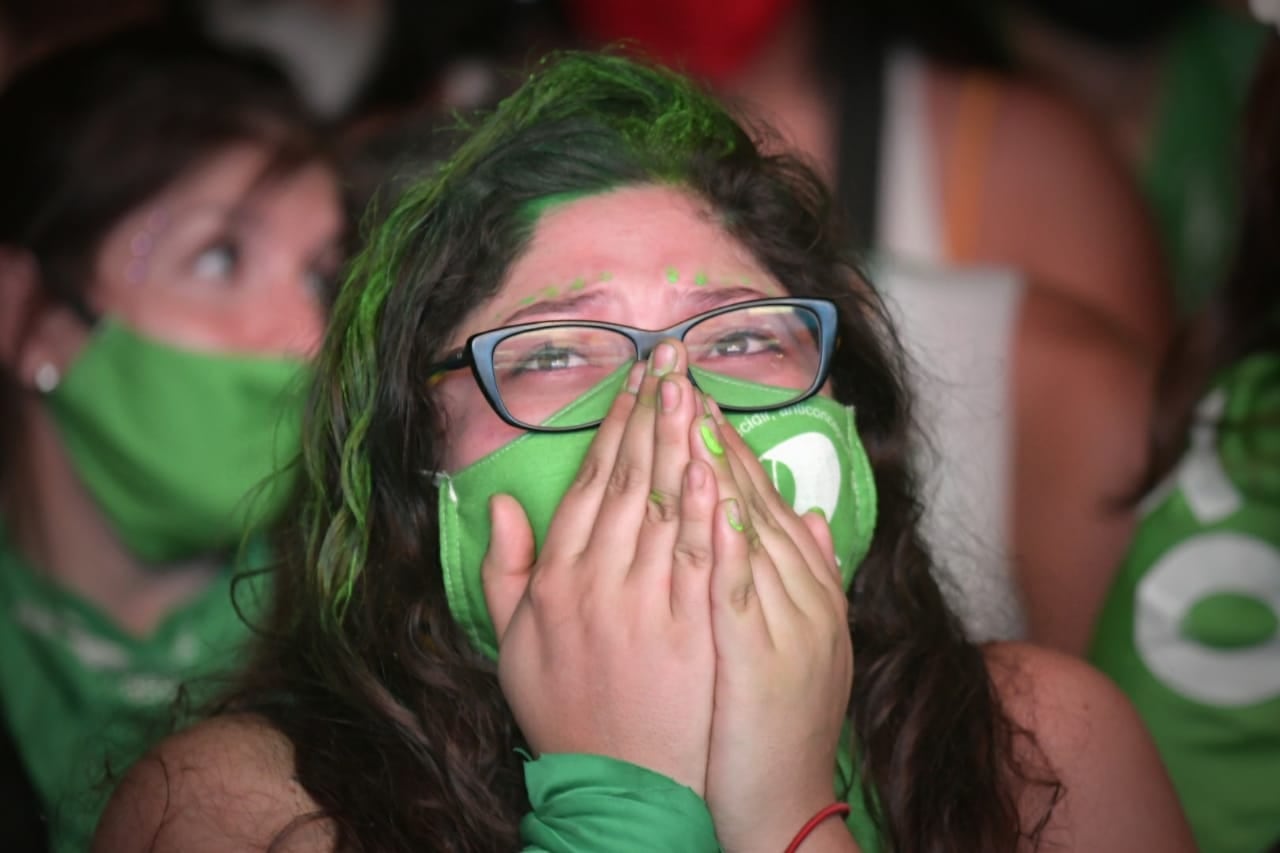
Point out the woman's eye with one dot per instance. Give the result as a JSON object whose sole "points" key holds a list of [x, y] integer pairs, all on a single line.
{"points": [[321, 284], [743, 343], [549, 358], [217, 262]]}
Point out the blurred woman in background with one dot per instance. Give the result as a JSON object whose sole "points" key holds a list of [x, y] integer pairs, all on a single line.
{"points": [[169, 224], [1189, 625]]}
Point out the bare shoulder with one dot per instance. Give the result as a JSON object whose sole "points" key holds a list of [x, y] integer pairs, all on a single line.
{"points": [[225, 784], [1116, 795], [1103, 382], [1060, 204]]}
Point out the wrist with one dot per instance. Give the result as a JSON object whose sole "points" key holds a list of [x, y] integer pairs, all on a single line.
{"points": [[825, 830]]}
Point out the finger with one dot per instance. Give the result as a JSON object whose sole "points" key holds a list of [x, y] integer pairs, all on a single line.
{"points": [[774, 602], [575, 517], [769, 546], [508, 564], [778, 532], [693, 554], [816, 523], [738, 622], [764, 500], [678, 406], [626, 494]]}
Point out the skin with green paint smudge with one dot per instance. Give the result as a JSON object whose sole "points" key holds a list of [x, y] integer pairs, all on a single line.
{"points": [[732, 516]]}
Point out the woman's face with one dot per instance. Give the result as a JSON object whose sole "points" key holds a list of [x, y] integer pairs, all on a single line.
{"points": [[226, 260], [646, 256]]}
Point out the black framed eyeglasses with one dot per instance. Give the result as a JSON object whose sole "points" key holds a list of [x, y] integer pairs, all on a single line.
{"points": [[561, 376]]}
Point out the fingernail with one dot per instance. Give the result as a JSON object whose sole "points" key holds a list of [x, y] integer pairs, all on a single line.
{"points": [[696, 476], [669, 392], [818, 511], [732, 516], [662, 360], [635, 377], [710, 439]]}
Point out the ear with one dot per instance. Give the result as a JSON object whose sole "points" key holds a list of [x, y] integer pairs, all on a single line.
{"points": [[34, 333], [18, 293]]}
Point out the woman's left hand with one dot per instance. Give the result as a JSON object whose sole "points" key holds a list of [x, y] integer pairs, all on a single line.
{"points": [[784, 658]]}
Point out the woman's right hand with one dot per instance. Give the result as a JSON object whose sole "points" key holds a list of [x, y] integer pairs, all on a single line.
{"points": [[605, 642]]}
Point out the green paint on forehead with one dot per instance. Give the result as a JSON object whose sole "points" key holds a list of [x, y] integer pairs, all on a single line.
{"points": [[605, 276], [578, 283], [673, 275], [550, 291], [700, 279], [533, 212]]}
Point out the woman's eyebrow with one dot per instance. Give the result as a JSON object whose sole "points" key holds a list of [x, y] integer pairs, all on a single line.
{"points": [[574, 303], [705, 300]]}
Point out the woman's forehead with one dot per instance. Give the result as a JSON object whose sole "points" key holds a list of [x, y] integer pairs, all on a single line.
{"points": [[628, 246]]}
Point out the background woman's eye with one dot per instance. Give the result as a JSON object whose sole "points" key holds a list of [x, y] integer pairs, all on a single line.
{"points": [[217, 262], [322, 284]]}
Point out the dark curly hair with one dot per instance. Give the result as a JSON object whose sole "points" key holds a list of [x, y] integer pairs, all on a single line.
{"points": [[401, 732]]}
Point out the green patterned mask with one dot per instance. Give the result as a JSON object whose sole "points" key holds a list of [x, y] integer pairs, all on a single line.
{"points": [[811, 450], [178, 447]]}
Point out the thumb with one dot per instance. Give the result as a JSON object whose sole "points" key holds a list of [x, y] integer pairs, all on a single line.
{"points": [[508, 562]]}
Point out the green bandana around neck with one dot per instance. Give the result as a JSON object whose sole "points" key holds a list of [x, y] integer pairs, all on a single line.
{"points": [[179, 448], [810, 450]]}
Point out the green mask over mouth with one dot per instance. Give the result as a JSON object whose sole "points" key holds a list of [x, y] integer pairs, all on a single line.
{"points": [[179, 448], [811, 451]]}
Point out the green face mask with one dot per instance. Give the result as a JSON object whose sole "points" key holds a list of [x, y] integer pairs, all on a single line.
{"points": [[810, 450], [178, 447]]}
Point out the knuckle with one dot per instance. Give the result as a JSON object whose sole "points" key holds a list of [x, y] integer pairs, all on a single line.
{"points": [[627, 477], [589, 472], [695, 555], [742, 596], [543, 592], [662, 508]]}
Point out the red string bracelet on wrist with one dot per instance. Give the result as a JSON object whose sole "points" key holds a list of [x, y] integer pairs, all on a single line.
{"points": [[841, 809]]}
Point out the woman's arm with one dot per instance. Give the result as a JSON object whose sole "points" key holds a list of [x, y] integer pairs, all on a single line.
{"points": [[1059, 205], [1116, 794], [1082, 398]]}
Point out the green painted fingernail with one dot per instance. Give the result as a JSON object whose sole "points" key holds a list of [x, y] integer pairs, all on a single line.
{"points": [[710, 440], [731, 515]]}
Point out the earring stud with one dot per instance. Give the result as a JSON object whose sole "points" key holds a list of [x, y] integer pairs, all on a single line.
{"points": [[47, 377]]}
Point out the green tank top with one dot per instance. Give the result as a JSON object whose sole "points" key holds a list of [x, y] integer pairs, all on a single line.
{"points": [[1189, 628], [1191, 173], [83, 699]]}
